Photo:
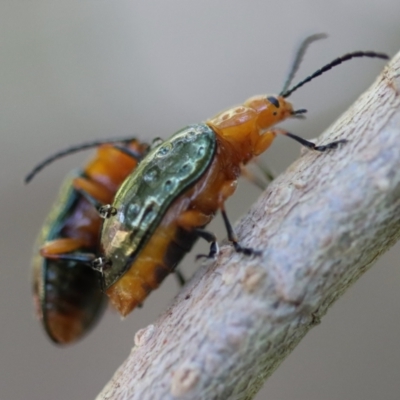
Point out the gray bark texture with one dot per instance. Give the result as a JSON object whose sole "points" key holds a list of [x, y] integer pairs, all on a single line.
{"points": [[321, 225]]}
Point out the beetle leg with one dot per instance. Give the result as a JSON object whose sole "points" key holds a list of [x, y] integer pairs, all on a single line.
{"points": [[263, 142], [156, 142], [311, 145], [100, 264], [248, 251], [91, 192], [268, 174], [254, 178], [83, 258], [179, 277], [210, 238], [64, 249], [191, 219], [55, 248]]}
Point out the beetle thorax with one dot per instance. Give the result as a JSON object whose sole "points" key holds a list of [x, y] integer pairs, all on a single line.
{"points": [[245, 126]]}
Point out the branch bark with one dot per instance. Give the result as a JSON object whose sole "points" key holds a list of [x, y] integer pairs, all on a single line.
{"points": [[321, 224]]}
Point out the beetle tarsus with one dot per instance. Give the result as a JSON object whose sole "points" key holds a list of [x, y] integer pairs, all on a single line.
{"points": [[100, 264], [156, 142], [247, 251], [214, 251], [180, 277], [312, 146], [107, 211], [330, 146], [210, 238]]}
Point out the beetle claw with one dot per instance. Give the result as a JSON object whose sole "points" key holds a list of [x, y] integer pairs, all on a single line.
{"points": [[247, 251], [212, 255], [101, 264], [107, 211]]}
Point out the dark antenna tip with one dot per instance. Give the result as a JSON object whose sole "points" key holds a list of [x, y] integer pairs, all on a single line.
{"points": [[298, 58], [334, 63], [71, 150]]}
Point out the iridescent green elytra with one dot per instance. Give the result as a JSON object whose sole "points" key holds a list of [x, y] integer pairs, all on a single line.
{"points": [[145, 196]]}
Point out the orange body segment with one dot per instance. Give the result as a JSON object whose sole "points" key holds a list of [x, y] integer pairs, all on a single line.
{"points": [[147, 272], [95, 189], [111, 166], [61, 246], [65, 327], [245, 127], [191, 218]]}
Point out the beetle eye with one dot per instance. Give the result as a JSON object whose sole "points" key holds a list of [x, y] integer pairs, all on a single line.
{"points": [[273, 100]]}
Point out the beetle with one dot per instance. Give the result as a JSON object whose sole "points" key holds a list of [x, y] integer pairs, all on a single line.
{"points": [[163, 207], [67, 294]]}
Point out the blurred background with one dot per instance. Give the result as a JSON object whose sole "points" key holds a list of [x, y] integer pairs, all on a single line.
{"points": [[72, 71]]}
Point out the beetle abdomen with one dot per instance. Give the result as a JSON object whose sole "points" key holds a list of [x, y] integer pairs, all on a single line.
{"points": [[159, 257], [72, 301]]}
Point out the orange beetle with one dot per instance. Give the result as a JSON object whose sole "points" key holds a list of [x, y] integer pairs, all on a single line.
{"points": [[67, 293], [164, 205]]}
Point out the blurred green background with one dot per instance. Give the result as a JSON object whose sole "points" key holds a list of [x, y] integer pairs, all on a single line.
{"points": [[72, 71]]}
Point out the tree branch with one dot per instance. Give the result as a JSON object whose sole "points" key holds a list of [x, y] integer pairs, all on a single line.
{"points": [[322, 224]]}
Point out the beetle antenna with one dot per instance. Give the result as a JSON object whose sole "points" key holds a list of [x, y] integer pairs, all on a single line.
{"points": [[337, 61], [71, 150], [299, 57]]}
